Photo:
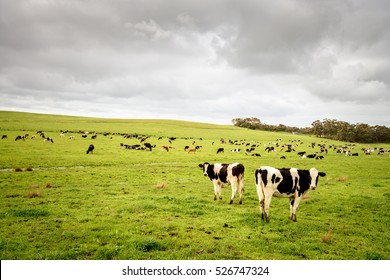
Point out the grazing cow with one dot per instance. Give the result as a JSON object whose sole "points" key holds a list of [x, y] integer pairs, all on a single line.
{"points": [[90, 149], [19, 137], [4, 136], [286, 182], [219, 174], [311, 156], [191, 150], [319, 157], [149, 146], [220, 150], [48, 139], [167, 148], [270, 149]]}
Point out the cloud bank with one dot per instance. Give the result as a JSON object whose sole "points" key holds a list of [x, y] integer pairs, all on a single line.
{"points": [[290, 62]]}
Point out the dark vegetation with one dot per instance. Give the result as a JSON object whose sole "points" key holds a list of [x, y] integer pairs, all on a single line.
{"points": [[328, 128]]}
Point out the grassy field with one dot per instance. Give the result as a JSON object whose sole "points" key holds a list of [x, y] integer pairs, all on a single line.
{"points": [[57, 202]]}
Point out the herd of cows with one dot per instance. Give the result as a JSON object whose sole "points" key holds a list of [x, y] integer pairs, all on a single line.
{"points": [[271, 182]]}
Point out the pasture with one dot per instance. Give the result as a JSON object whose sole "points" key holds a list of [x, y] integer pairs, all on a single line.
{"points": [[57, 202]]}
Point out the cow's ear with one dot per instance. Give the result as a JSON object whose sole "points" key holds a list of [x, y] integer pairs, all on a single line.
{"points": [[200, 165], [322, 174]]}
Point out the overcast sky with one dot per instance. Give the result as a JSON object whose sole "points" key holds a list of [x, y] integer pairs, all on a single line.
{"points": [[285, 62]]}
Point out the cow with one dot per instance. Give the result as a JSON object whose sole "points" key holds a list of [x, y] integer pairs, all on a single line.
{"points": [[311, 156], [270, 149], [48, 139], [19, 137], [191, 150], [220, 150], [149, 146], [4, 136], [220, 174], [90, 149], [167, 148], [291, 183]]}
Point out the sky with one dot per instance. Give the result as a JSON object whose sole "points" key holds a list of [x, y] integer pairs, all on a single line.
{"points": [[288, 62]]}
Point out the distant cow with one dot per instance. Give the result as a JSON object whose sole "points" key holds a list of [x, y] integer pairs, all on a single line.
{"points": [[48, 139], [19, 137], [290, 183], [220, 150], [90, 149], [191, 150], [219, 174], [270, 149], [4, 136], [311, 156], [149, 146]]}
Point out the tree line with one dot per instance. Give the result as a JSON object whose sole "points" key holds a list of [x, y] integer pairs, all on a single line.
{"points": [[328, 128]]}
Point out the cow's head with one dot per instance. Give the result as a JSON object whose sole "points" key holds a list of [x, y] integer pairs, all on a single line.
{"points": [[314, 174], [204, 167]]}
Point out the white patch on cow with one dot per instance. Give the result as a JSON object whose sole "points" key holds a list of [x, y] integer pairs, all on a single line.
{"points": [[314, 176]]}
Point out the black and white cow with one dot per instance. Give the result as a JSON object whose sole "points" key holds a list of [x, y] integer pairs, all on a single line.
{"points": [[90, 149], [291, 183], [219, 174]]}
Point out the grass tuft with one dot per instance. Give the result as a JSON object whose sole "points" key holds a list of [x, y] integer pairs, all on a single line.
{"points": [[341, 179], [327, 237], [33, 194], [162, 185]]}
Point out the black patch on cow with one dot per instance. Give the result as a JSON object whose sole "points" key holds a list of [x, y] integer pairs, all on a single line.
{"points": [[304, 181], [295, 185], [223, 172], [264, 174], [210, 172], [238, 170], [256, 174], [273, 178], [286, 186]]}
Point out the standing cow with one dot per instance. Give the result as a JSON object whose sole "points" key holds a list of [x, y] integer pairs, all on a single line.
{"points": [[285, 182], [219, 174]]}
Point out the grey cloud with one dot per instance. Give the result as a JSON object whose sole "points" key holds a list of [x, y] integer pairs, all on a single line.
{"points": [[282, 58]]}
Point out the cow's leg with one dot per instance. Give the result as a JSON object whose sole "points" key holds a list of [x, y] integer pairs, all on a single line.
{"points": [[216, 189], [261, 196], [292, 200], [241, 188], [294, 203], [220, 186], [267, 202], [234, 190]]}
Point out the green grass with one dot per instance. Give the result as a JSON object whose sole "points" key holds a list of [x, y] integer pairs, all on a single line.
{"points": [[122, 204]]}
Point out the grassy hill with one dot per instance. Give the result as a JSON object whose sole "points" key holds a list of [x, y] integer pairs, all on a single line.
{"points": [[57, 202]]}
